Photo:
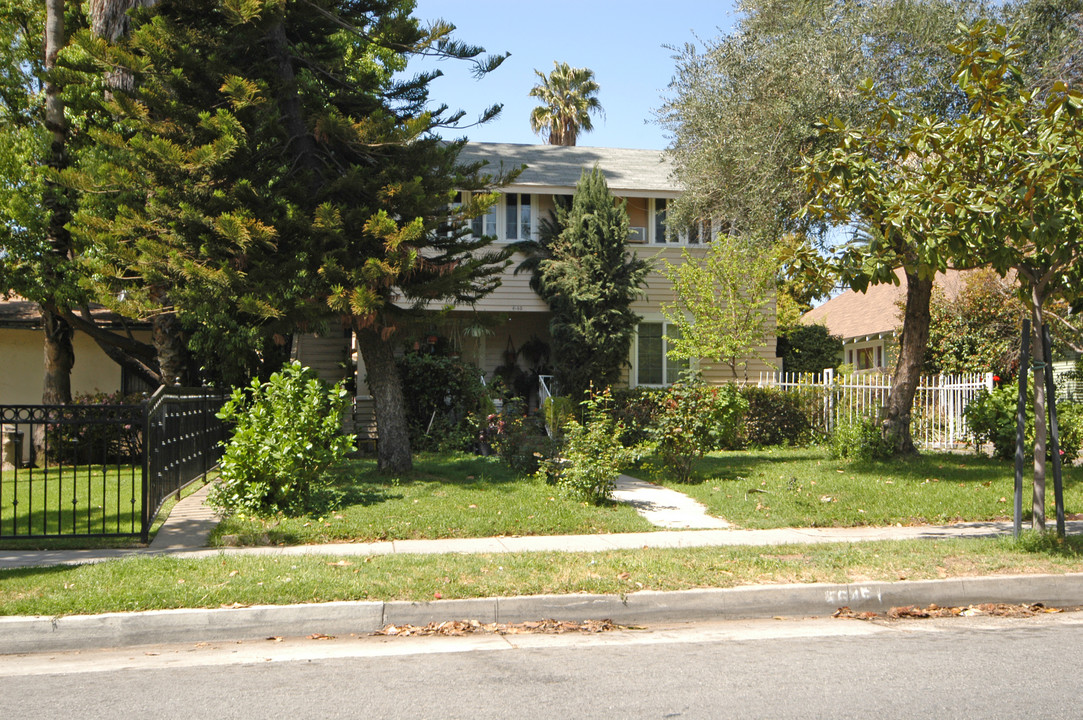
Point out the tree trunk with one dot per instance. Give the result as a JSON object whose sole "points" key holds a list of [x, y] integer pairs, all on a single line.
{"points": [[895, 424], [172, 352], [137, 357], [59, 359], [109, 21], [58, 351], [1037, 519], [385, 384]]}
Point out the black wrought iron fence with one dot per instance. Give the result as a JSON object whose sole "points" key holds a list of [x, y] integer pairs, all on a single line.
{"points": [[183, 440], [102, 470]]}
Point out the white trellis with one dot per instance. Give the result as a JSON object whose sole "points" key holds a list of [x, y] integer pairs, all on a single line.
{"points": [[937, 420]]}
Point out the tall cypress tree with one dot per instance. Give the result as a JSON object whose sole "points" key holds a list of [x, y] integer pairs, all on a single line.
{"points": [[589, 281]]}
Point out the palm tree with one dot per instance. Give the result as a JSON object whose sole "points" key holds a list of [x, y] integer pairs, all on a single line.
{"points": [[568, 95]]}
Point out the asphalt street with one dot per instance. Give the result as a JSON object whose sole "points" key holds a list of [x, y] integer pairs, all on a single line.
{"points": [[978, 667]]}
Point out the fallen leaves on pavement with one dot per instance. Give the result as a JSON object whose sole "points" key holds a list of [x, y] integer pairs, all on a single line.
{"points": [[935, 611], [467, 627]]}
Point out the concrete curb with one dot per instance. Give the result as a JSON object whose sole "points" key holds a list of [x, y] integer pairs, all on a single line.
{"points": [[26, 634]]}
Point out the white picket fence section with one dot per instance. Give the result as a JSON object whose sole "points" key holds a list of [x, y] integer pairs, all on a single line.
{"points": [[937, 421]]}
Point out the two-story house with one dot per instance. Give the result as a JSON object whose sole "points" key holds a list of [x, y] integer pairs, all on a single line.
{"points": [[506, 324]]}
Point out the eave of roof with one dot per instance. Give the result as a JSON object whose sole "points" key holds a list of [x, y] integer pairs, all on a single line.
{"points": [[19, 313], [875, 312]]}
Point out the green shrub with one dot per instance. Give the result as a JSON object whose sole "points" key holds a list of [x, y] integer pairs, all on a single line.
{"points": [[592, 456], [287, 436], [635, 409], [858, 439], [808, 349], [558, 410], [991, 419], [440, 393], [518, 438], [693, 419], [777, 416], [1070, 427]]}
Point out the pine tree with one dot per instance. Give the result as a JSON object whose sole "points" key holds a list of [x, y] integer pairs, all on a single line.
{"points": [[269, 154]]}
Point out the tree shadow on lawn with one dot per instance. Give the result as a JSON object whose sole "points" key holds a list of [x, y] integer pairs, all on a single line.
{"points": [[945, 467], [468, 471], [730, 466]]}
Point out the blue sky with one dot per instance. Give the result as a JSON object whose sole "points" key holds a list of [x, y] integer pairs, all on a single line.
{"points": [[622, 42]]}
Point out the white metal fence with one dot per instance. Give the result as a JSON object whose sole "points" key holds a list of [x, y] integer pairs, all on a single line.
{"points": [[937, 420]]}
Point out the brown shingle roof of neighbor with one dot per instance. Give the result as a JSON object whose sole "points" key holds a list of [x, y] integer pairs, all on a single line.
{"points": [[556, 166], [853, 314], [17, 311]]}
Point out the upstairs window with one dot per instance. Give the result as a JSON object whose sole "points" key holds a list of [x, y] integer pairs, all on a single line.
{"points": [[510, 219], [660, 221], [517, 217]]}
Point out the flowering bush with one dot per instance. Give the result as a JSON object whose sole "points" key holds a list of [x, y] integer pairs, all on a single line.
{"points": [[519, 439], [592, 456], [693, 419]]}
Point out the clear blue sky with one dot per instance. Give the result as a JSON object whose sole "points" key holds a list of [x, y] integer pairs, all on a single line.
{"points": [[622, 42]]}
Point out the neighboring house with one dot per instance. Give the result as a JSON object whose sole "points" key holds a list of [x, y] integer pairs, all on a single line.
{"points": [[869, 322], [21, 344], [509, 329]]}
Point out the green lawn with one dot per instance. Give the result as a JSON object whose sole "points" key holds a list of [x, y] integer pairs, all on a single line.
{"points": [[447, 496], [148, 583], [804, 487], [70, 500]]}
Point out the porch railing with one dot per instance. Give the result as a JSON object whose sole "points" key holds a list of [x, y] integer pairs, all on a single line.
{"points": [[545, 384]]}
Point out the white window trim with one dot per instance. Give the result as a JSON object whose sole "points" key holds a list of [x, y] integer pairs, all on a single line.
{"points": [[633, 378], [501, 209], [707, 234]]}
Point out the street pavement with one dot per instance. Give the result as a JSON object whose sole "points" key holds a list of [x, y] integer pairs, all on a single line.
{"points": [[186, 531]]}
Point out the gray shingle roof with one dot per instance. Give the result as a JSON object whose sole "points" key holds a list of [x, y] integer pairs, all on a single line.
{"points": [[558, 166]]}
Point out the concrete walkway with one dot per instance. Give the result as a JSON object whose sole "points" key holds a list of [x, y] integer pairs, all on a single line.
{"points": [[189, 524], [664, 507]]}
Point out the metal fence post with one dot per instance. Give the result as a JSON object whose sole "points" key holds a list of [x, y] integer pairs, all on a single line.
{"points": [[145, 515]]}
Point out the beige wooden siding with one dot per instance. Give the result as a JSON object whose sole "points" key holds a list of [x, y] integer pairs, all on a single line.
{"points": [[659, 291], [513, 295], [323, 353]]}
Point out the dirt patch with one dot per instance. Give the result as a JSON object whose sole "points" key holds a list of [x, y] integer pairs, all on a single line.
{"points": [[456, 628]]}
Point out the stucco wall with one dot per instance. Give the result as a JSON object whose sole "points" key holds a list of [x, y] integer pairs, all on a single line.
{"points": [[22, 376]]}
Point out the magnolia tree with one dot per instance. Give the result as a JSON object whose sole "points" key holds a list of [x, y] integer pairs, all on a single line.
{"points": [[1000, 186]]}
